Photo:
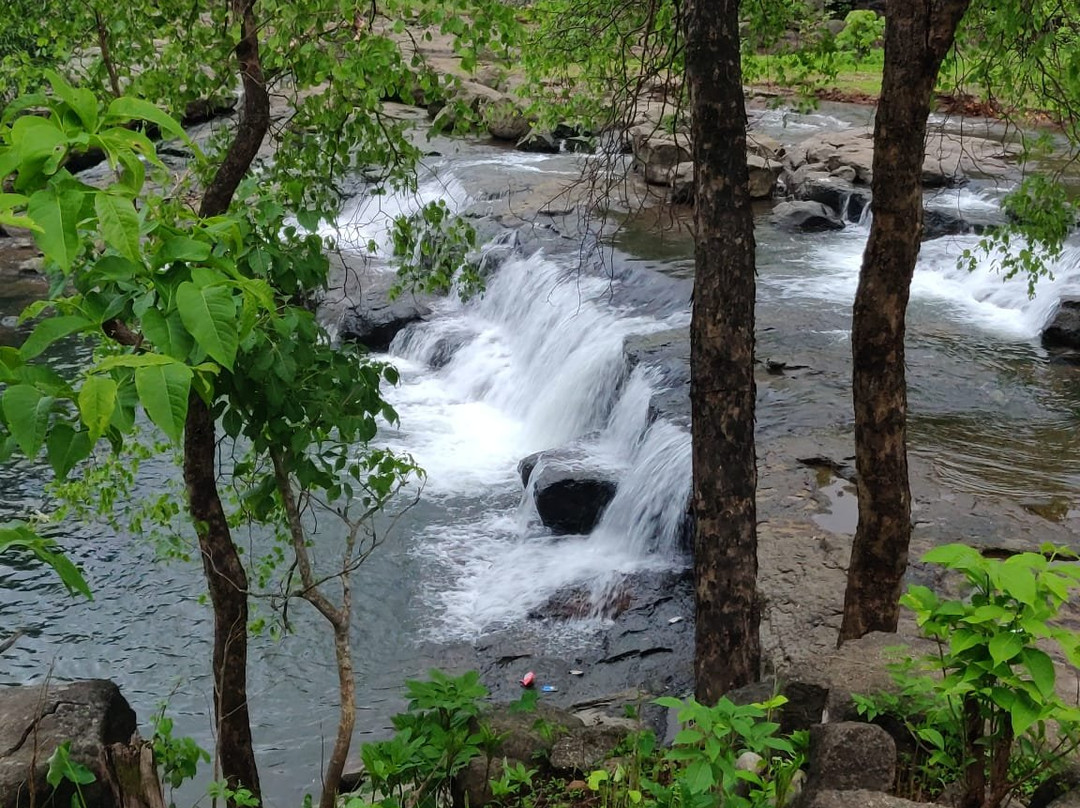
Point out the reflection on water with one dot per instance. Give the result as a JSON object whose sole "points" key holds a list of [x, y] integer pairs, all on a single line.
{"points": [[1019, 460]]}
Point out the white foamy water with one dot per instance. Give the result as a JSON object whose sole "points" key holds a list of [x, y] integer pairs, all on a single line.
{"points": [[982, 298], [536, 363]]}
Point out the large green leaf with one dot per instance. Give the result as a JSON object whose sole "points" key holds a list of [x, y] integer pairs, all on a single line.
{"points": [[167, 334], [119, 223], [57, 214], [1041, 669], [1004, 646], [97, 400], [209, 313], [163, 392], [67, 447], [27, 414], [82, 102], [49, 331], [181, 248], [125, 109]]}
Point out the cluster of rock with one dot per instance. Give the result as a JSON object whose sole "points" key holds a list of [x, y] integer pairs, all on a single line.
{"points": [[98, 726]]}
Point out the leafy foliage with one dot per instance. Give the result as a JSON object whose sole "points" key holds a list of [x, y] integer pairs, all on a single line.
{"points": [[432, 250], [992, 717], [435, 738]]}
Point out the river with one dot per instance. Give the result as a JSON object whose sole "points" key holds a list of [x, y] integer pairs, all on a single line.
{"points": [[536, 362]]}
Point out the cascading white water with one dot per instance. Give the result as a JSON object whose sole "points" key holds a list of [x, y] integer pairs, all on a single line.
{"points": [[982, 298], [536, 362]]}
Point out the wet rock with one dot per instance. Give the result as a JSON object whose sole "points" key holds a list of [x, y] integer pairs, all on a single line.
{"points": [[656, 154], [667, 355], [540, 143], [505, 121], [764, 173], [806, 217], [851, 756], [376, 321], [830, 151], [90, 715], [202, 110], [837, 192], [1063, 328], [585, 748], [578, 602], [570, 493], [860, 799], [941, 221], [359, 302]]}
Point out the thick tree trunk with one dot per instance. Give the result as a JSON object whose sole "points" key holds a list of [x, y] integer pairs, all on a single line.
{"points": [[722, 389], [227, 581], [918, 34], [226, 578]]}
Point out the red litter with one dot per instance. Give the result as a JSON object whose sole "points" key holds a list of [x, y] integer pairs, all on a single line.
{"points": [[528, 679]]}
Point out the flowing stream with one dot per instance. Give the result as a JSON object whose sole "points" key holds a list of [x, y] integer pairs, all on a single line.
{"points": [[538, 362]]}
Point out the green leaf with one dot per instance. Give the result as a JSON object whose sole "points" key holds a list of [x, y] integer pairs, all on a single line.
{"points": [[698, 777], [1041, 669], [97, 400], [18, 536], [209, 314], [27, 414], [62, 767], [163, 392], [49, 331], [57, 214], [1016, 579], [181, 248], [167, 334], [126, 108], [119, 224], [66, 448], [1024, 712], [82, 102], [1004, 646]]}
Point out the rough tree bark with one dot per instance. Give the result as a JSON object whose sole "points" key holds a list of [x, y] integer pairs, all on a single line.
{"points": [[225, 575], [918, 35], [722, 387]]}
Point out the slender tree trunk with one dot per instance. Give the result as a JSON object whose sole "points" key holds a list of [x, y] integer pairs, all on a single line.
{"points": [[918, 34], [346, 718], [340, 618], [225, 575], [722, 388]]}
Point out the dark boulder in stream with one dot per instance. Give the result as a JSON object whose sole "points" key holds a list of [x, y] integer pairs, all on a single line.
{"points": [[806, 217], [1063, 329], [366, 310], [570, 492]]}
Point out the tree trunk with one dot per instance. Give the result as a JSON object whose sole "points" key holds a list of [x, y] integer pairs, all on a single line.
{"points": [[226, 578], [918, 34], [227, 581], [722, 388]]}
